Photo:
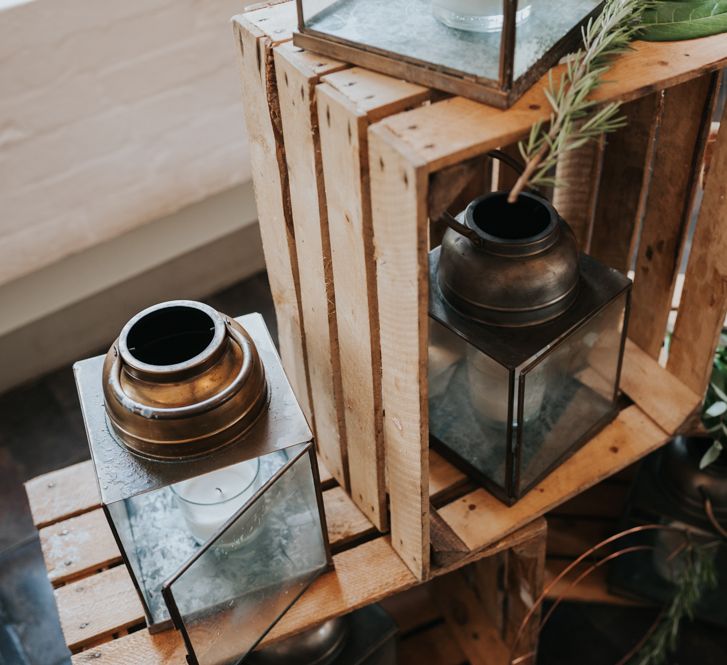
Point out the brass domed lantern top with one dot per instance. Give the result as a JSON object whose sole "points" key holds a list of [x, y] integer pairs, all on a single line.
{"points": [[509, 264], [182, 380]]}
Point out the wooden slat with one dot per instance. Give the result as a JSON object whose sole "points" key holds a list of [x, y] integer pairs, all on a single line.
{"points": [[165, 648], [704, 298], [468, 621], [97, 607], [64, 493], [578, 175], [399, 198], [444, 479], [267, 155], [626, 158], [435, 646], [593, 589], [457, 129], [658, 392], [569, 537], [478, 517], [297, 74], [346, 523], [349, 587], [346, 103], [78, 546], [685, 121], [605, 501], [412, 609]]}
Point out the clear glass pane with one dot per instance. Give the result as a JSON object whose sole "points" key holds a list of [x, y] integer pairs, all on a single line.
{"points": [[238, 587], [542, 25], [160, 530], [570, 391], [468, 403], [464, 38]]}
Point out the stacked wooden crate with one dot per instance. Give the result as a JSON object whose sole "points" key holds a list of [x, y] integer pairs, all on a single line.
{"points": [[349, 167], [364, 161]]}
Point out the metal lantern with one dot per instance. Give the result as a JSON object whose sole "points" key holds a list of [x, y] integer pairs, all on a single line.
{"points": [[207, 472], [489, 50], [690, 503], [526, 340]]}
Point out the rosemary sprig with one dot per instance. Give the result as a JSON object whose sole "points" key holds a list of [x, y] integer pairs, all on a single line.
{"points": [[603, 37], [697, 576]]}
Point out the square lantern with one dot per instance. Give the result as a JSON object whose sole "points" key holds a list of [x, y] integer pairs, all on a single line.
{"points": [[488, 50], [526, 339], [207, 473]]}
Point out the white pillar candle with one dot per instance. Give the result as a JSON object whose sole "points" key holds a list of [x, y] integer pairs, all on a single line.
{"points": [[476, 15], [208, 501]]}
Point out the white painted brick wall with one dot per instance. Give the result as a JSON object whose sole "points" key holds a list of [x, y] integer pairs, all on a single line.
{"points": [[112, 114]]}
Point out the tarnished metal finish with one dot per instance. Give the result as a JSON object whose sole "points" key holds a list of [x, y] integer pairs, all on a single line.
{"points": [[512, 264], [182, 380], [687, 484], [318, 646]]}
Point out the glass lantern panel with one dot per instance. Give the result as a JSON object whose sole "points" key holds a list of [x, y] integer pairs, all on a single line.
{"points": [[460, 36], [228, 596], [161, 529], [570, 391], [468, 403], [542, 24]]}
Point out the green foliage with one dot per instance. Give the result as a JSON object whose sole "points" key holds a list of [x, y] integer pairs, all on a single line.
{"points": [[697, 576], [714, 411], [672, 21], [572, 122]]}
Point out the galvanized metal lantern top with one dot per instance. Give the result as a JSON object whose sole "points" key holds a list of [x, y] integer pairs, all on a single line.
{"points": [[489, 50]]}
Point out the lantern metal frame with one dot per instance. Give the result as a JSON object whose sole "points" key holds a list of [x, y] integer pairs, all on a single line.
{"points": [[603, 286], [501, 92], [121, 474]]}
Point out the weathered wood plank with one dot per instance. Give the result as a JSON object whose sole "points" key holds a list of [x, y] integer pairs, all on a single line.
{"points": [[625, 162], [468, 621], [347, 100], [578, 175], [457, 129], [270, 177], [297, 74], [97, 607], [661, 395], [592, 589], [62, 494], [434, 646], [478, 517], [399, 198], [78, 546], [350, 586], [704, 298], [685, 121]]}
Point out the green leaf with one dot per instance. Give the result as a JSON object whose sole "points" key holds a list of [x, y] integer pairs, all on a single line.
{"points": [[711, 455], [672, 21], [717, 409]]}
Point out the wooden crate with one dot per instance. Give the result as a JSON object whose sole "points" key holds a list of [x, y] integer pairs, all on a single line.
{"points": [[370, 159], [102, 617]]}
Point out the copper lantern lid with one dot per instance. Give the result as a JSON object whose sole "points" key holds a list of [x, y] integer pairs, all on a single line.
{"points": [[509, 264], [182, 380]]}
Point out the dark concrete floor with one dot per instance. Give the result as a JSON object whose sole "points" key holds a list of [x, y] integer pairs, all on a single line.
{"points": [[41, 430]]}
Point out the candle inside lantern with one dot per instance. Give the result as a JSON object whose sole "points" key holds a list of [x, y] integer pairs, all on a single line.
{"points": [[208, 501], [475, 15]]}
